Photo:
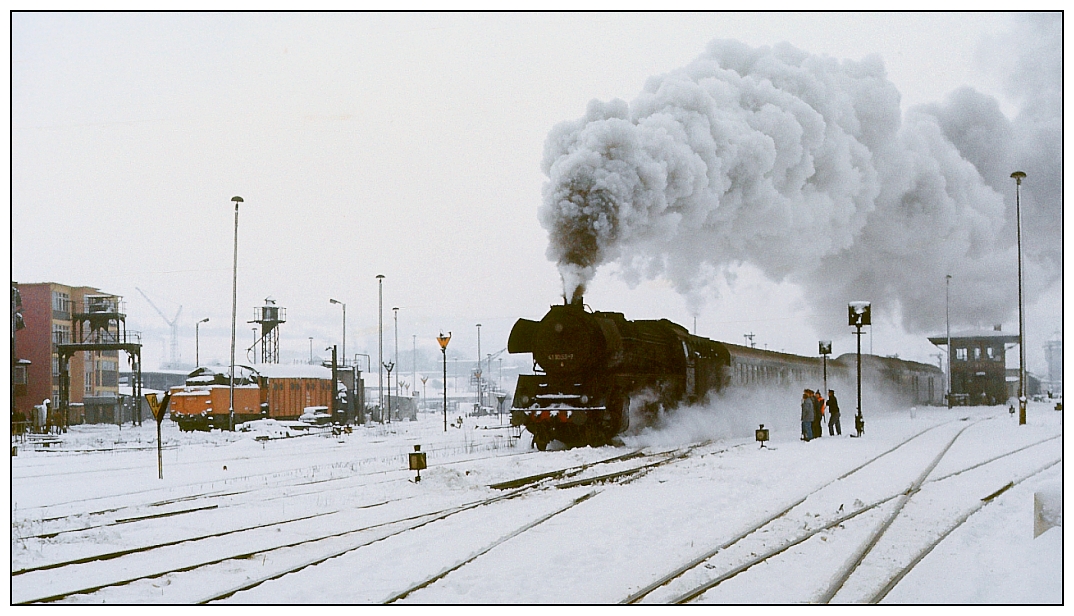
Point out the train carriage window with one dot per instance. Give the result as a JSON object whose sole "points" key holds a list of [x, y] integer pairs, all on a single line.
{"points": [[977, 354]]}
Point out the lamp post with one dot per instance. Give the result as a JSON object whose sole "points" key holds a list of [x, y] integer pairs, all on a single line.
{"points": [[395, 310], [197, 344], [311, 350], [334, 301], [380, 345], [1018, 176], [949, 341], [388, 366], [424, 392], [480, 396], [234, 295], [335, 386], [443, 340]]}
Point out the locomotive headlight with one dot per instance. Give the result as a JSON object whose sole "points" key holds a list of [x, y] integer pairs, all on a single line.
{"points": [[585, 399], [525, 399]]}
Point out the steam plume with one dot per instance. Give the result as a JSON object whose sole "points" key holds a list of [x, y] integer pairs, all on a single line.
{"points": [[805, 167]]}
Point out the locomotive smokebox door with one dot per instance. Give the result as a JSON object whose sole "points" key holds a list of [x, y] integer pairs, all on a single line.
{"points": [[761, 434], [417, 461]]}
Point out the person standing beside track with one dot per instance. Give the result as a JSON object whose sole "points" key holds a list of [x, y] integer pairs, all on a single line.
{"points": [[833, 415], [818, 414], [807, 415]]}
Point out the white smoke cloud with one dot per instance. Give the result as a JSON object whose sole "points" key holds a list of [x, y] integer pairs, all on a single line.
{"points": [[736, 413], [804, 167]]}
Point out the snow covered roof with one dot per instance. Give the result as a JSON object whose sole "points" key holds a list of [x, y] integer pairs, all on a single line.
{"points": [[998, 336], [294, 371], [272, 371]]}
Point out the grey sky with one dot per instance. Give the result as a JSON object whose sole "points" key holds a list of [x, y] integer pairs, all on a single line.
{"points": [[407, 145]]}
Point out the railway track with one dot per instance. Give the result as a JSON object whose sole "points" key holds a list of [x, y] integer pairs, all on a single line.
{"points": [[283, 460], [212, 499], [209, 553], [309, 549], [528, 485], [886, 508]]}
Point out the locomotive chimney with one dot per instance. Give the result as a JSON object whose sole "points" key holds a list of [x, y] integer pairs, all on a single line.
{"points": [[576, 301]]}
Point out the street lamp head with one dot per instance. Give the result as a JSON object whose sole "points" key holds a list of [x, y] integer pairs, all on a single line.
{"points": [[334, 301], [237, 199], [205, 320], [1018, 175], [380, 276]]}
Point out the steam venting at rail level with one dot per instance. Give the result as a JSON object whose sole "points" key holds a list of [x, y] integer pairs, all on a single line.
{"points": [[805, 168]]}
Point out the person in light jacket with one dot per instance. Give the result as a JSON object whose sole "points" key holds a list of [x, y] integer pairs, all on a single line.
{"points": [[807, 415]]}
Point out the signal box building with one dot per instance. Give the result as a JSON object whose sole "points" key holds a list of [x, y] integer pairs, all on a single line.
{"points": [[978, 365]]}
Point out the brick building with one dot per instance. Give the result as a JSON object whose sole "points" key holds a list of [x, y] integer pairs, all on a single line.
{"points": [[978, 365], [49, 313]]}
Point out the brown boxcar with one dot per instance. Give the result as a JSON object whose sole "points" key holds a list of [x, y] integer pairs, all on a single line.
{"points": [[266, 391]]}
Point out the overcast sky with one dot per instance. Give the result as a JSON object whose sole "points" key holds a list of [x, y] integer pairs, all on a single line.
{"points": [[408, 145]]}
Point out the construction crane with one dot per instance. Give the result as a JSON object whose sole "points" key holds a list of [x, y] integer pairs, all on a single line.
{"points": [[492, 356], [173, 360]]}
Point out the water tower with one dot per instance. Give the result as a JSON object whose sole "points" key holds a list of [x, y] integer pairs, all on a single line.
{"points": [[269, 317]]}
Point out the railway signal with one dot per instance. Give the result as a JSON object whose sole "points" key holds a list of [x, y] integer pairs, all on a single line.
{"points": [[859, 313], [761, 434], [825, 350], [417, 461], [159, 409]]}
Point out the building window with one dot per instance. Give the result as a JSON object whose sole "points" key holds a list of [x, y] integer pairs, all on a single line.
{"points": [[976, 353], [961, 354], [109, 373], [61, 334], [61, 306], [19, 375]]}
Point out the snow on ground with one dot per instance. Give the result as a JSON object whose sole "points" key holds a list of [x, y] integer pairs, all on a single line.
{"points": [[102, 484]]}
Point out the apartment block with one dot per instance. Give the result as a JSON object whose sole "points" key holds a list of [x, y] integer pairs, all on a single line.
{"points": [[51, 313]]}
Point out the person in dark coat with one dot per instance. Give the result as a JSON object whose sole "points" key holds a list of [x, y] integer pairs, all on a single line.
{"points": [[833, 415], [818, 415], [807, 415]]}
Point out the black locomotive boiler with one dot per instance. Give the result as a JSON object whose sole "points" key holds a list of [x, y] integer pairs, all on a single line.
{"points": [[589, 366], [592, 363]]}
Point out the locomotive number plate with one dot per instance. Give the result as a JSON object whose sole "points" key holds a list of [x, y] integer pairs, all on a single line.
{"points": [[562, 356]]}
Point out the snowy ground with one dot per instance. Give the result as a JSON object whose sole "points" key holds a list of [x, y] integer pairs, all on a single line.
{"points": [[323, 518]]}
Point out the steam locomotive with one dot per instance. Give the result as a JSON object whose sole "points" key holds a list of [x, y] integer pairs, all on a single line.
{"points": [[591, 366]]}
